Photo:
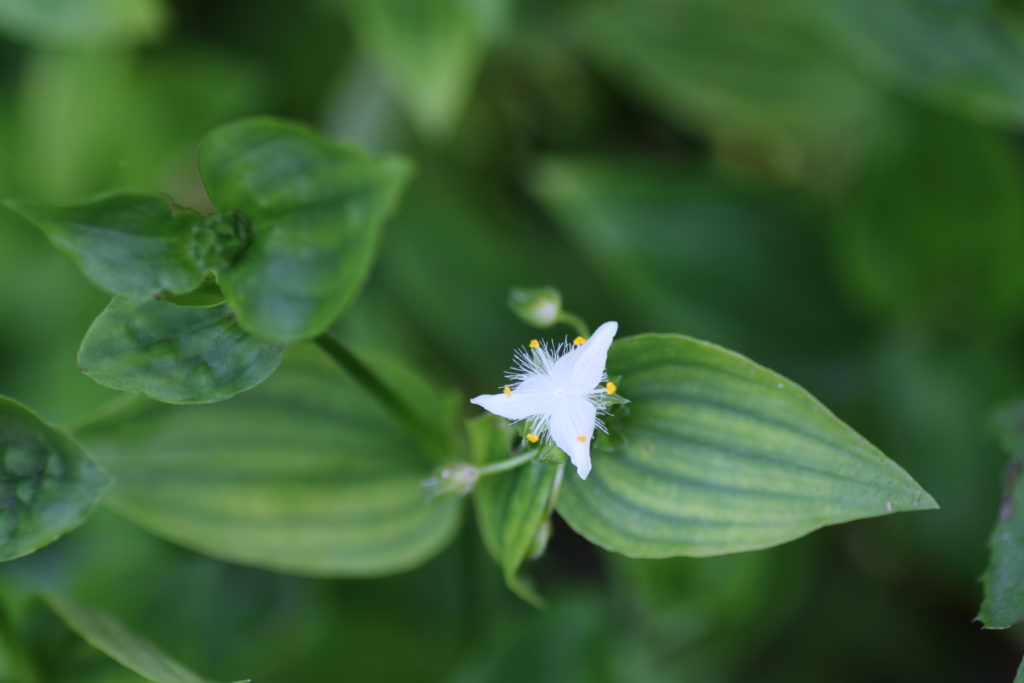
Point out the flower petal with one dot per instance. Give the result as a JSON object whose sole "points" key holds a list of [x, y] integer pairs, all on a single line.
{"points": [[515, 406], [583, 367], [574, 417]]}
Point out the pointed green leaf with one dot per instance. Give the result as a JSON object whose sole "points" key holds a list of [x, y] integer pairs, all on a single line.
{"points": [[48, 486], [429, 52], [117, 641], [174, 353], [721, 455], [511, 506], [1003, 604], [305, 474], [129, 244], [316, 208]]}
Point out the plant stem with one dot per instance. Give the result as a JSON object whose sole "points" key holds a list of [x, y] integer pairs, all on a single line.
{"points": [[362, 374], [510, 464], [573, 320]]}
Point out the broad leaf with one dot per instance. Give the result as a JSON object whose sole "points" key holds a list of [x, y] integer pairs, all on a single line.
{"points": [[966, 57], [117, 641], [1003, 605], [912, 238], [429, 52], [174, 353], [763, 74], [48, 485], [721, 455], [316, 209], [511, 506], [306, 473], [129, 244], [78, 23]]}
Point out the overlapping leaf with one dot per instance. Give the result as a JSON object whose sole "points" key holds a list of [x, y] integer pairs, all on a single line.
{"points": [[316, 209], [175, 353], [129, 244], [306, 473]]}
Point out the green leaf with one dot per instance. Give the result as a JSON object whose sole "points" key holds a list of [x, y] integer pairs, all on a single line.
{"points": [[912, 238], [721, 455], [429, 52], [129, 244], [316, 209], [965, 57], [304, 474], [762, 73], [117, 641], [80, 23], [1019, 678], [48, 485], [1003, 604], [174, 353], [511, 506]]}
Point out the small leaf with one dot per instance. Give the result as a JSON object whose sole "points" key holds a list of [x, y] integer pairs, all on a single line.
{"points": [[1003, 604], [48, 486], [316, 208], [720, 455], [174, 353], [128, 244], [305, 474], [511, 506], [117, 641]]}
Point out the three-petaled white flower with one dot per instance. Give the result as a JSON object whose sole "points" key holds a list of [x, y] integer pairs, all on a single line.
{"points": [[558, 391]]}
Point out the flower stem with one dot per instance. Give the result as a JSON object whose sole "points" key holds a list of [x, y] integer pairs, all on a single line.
{"points": [[510, 464], [574, 321]]}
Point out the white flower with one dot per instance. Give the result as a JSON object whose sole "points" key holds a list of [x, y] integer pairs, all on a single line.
{"points": [[558, 391]]}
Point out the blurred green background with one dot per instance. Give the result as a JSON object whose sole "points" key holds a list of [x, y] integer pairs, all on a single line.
{"points": [[832, 187]]}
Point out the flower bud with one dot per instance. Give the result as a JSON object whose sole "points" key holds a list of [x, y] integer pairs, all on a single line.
{"points": [[536, 306], [454, 481]]}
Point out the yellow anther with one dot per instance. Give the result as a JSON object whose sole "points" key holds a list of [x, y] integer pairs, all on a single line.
{"points": [[508, 391], [532, 438], [611, 387], [578, 340], [581, 439], [534, 344]]}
